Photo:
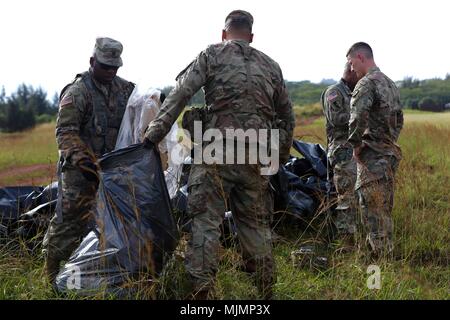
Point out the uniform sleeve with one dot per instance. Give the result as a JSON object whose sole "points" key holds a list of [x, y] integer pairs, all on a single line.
{"points": [[398, 123], [189, 81], [362, 100], [333, 107], [71, 108], [285, 119]]}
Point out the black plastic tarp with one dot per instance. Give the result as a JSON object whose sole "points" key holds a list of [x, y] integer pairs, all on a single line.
{"points": [[16, 200], [299, 186], [135, 228], [314, 154], [301, 183]]}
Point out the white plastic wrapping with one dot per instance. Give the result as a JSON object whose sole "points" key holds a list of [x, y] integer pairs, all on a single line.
{"points": [[142, 108]]}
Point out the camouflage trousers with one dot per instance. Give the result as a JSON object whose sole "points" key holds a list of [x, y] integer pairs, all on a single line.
{"points": [[344, 178], [70, 224], [376, 200], [210, 186], [375, 189]]}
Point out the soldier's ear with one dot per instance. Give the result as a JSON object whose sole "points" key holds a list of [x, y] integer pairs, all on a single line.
{"points": [[91, 61], [250, 38], [224, 35], [361, 57]]}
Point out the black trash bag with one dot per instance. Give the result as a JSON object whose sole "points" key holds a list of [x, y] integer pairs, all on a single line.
{"points": [[135, 230], [290, 196], [14, 201], [315, 154], [301, 184], [35, 221]]}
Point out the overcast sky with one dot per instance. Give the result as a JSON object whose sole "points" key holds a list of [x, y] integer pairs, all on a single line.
{"points": [[45, 43]]}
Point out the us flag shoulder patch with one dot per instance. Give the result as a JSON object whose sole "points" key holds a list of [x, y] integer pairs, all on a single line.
{"points": [[332, 96], [68, 99]]}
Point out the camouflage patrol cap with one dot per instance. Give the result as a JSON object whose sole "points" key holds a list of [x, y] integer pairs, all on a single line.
{"points": [[239, 18], [108, 51]]}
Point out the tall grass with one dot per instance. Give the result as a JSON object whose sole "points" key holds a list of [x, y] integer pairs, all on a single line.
{"points": [[418, 270]]}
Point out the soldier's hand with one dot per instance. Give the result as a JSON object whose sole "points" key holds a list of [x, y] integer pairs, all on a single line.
{"points": [[89, 170], [147, 143]]}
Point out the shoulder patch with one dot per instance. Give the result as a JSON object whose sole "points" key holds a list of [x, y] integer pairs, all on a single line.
{"points": [[66, 100], [331, 96]]}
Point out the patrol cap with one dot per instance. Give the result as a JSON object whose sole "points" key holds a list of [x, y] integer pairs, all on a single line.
{"points": [[108, 51], [240, 19]]}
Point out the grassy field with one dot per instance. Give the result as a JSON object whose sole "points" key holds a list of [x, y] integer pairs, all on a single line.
{"points": [[36, 146], [419, 269]]}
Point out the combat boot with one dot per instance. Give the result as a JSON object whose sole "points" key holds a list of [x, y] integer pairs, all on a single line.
{"points": [[52, 270], [265, 277]]}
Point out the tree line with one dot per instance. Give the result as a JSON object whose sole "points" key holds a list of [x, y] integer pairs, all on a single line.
{"points": [[428, 95], [25, 108], [28, 106]]}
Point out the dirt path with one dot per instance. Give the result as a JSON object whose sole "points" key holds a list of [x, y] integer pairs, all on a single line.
{"points": [[307, 121], [36, 174]]}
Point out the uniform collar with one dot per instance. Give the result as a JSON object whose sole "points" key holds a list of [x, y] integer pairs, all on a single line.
{"points": [[240, 41], [373, 69]]}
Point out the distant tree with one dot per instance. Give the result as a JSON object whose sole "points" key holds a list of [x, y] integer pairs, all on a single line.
{"points": [[55, 102], [24, 108], [410, 82], [429, 104], [2, 95], [38, 102], [414, 104], [327, 82], [166, 90]]}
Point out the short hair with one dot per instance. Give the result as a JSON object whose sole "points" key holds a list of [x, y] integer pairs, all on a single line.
{"points": [[239, 20], [360, 47]]}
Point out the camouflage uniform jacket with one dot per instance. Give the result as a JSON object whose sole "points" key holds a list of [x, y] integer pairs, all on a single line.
{"points": [[89, 117], [336, 108], [376, 115], [244, 88]]}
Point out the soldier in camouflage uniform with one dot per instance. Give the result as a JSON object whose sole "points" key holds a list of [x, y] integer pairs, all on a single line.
{"points": [[375, 122], [336, 107], [89, 117], [244, 89]]}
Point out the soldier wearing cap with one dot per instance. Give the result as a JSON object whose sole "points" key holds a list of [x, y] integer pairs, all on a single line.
{"points": [[244, 89], [89, 117]]}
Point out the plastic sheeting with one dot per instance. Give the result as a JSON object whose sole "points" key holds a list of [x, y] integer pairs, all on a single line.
{"points": [[299, 186], [301, 183], [142, 108], [35, 221], [16, 200], [135, 228]]}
